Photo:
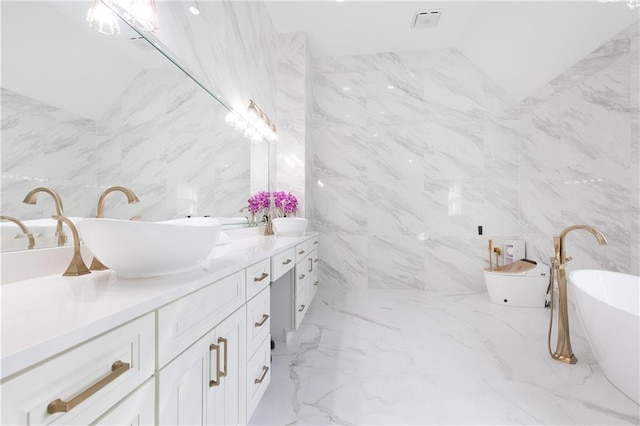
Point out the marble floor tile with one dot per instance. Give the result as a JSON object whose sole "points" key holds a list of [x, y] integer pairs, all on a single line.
{"points": [[401, 357]]}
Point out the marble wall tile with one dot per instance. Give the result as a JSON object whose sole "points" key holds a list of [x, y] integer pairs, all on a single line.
{"points": [[568, 154], [43, 145], [292, 116]]}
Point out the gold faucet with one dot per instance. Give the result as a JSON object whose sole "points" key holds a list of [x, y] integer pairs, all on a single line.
{"points": [[268, 229], [77, 266], [563, 351], [31, 198], [132, 198], [23, 228]]}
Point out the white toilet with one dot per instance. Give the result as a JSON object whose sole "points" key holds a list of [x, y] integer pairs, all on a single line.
{"points": [[525, 289]]}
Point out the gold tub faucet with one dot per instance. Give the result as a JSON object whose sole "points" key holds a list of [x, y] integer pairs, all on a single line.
{"points": [[132, 198], [563, 351], [32, 197], [23, 228]]}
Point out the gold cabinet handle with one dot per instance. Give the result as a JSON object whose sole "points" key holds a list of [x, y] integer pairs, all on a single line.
{"points": [[264, 319], [286, 262], [301, 308], [301, 252], [259, 380], [60, 406], [216, 382], [301, 277], [262, 277], [222, 340]]}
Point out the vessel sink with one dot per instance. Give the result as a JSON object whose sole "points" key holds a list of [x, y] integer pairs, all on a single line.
{"points": [[136, 249], [289, 226]]}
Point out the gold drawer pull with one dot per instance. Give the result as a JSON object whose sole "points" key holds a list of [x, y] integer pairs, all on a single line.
{"points": [[60, 406], [215, 382], [222, 340], [264, 319], [301, 252], [301, 308], [262, 277], [286, 262], [301, 277], [259, 380]]}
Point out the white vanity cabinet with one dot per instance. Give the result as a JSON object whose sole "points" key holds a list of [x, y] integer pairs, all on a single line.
{"points": [[189, 350], [293, 292], [205, 384], [306, 278], [81, 385]]}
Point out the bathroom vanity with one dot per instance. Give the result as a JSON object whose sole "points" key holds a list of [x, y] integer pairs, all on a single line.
{"points": [[191, 348]]}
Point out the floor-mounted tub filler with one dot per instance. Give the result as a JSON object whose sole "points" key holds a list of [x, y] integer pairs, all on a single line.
{"points": [[608, 304]]}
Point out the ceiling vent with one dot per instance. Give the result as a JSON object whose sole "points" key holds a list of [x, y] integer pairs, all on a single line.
{"points": [[426, 19]]}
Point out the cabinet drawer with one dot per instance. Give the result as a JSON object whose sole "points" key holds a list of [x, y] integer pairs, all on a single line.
{"points": [[301, 305], [258, 277], [258, 322], [281, 263], [302, 277], [258, 375], [303, 249], [186, 320], [86, 381], [136, 410]]}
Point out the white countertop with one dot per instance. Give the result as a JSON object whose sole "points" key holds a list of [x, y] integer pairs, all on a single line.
{"points": [[44, 316]]}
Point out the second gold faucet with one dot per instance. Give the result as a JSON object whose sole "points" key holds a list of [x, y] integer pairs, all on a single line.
{"points": [[132, 198]]}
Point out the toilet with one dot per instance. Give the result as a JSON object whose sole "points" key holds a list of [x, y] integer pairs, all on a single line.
{"points": [[523, 283]]}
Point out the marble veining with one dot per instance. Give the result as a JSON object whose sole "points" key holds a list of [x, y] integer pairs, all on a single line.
{"points": [[426, 148], [416, 357]]}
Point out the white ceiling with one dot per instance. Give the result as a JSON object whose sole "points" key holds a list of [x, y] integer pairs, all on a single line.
{"points": [[521, 45]]}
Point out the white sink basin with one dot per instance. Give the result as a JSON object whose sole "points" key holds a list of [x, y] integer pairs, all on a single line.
{"points": [[147, 249], [289, 226]]}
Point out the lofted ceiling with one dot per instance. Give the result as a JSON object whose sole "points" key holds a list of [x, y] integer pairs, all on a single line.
{"points": [[521, 45]]}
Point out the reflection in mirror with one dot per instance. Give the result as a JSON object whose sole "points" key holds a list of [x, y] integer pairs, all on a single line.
{"points": [[83, 111]]}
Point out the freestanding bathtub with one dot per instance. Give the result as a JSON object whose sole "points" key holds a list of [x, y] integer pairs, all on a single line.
{"points": [[607, 304]]}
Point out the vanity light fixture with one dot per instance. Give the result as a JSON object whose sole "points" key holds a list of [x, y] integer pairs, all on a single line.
{"points": [[255, 125], [142, 14], [102, 19]]}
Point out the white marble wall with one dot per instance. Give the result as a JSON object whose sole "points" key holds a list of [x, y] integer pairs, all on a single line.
{"points": [[43, 145], [579, 162], [165, 138], [413, 150], [293, 103]]}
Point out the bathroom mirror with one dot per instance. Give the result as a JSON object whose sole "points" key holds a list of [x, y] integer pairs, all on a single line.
{"points": [[83, 111]]}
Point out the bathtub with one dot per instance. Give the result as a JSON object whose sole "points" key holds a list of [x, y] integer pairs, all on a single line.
{"points": [[607, 305]]}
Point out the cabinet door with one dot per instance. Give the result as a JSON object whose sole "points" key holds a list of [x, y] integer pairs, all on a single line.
{"points": [[183, 385], [313, 281], [301, 294], [226, 400]]}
